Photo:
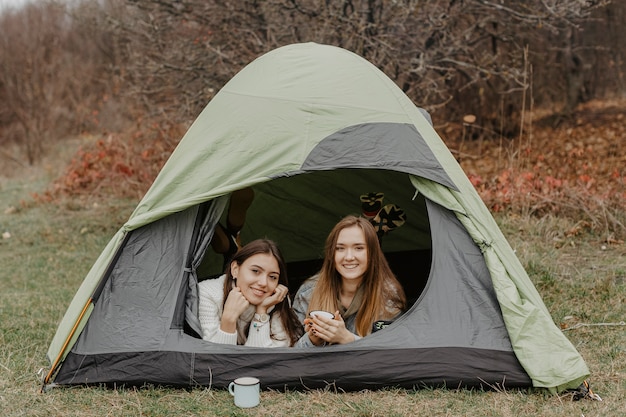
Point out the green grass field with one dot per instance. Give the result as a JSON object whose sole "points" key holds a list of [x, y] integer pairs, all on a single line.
{"points": [[51, 248]]}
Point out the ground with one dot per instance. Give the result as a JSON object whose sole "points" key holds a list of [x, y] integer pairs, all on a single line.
{"points": [[565, 166]]}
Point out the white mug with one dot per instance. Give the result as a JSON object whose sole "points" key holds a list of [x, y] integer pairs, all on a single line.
{"points": [[246, 391], [320, 313]]}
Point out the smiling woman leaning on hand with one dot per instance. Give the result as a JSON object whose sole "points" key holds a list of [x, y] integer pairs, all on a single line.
{"points": [[248, 305]]}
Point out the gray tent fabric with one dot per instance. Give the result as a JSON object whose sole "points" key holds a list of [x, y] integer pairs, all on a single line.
{"points": [[204, 233], [453, 335], [136, 306], [310, 128], [459, 307], [392, 146]]}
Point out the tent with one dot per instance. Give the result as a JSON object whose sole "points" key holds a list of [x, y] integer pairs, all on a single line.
{"points": [[310, 128]]}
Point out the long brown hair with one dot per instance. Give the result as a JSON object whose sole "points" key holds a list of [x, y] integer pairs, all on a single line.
{"points": [[382, 296], [290, 321]]}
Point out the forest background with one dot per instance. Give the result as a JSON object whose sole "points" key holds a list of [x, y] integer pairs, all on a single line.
{"points": [[502, 80], [530, 96], [127, 78]]}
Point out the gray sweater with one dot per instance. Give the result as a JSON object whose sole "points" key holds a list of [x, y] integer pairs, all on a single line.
{"points": [[301, 305]]}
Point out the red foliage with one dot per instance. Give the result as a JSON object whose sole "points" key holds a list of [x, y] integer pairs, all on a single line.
{"points": [[577, 170], [118, 165]]}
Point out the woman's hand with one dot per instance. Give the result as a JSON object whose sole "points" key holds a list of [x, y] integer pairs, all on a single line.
{"points": [[330, 330], [279, 295], [313, 337], [235, 304]]}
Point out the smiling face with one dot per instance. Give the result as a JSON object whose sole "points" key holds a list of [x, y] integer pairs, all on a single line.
{"points": [[257, 277], [351, 254]]}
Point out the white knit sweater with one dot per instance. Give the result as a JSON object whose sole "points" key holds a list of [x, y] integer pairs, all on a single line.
{"points": [[210, 305]]}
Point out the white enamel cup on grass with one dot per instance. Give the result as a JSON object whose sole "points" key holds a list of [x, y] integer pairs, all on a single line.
{"points": [[246, 391], [320, 313]]}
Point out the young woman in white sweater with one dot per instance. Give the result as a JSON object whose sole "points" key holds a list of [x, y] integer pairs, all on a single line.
{"points": [[249, 305]]}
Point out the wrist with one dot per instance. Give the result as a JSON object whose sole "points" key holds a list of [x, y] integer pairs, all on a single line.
{"points": [[348, 337], [261, 317], [318, 341], [228, 326], [228, 318]]}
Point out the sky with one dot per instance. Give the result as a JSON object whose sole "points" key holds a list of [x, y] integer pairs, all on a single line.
{"points": [[13, 3], [4, 4]]}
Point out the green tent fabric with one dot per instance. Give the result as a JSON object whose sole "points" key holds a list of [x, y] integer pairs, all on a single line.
{"points": [[543, 351], [309, 127]]}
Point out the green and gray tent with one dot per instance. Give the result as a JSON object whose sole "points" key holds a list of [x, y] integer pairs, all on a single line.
{"points": [[310, 128]]}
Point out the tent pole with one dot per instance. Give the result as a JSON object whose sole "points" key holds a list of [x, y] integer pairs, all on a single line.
{"points": [[67, 341]]}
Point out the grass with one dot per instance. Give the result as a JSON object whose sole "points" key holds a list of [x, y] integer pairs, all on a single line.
{"points": [[51, 248]]}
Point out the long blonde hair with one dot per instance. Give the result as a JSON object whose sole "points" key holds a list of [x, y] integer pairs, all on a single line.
{"points": [[383, 296]]}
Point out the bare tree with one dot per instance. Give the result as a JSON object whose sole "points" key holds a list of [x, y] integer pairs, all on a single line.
{"points": [[102, 63], [30, 63], [450, 56], [50, 77]]}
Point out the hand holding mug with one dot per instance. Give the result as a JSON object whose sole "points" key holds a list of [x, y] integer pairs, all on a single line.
{"points": [[308, 326], [331, 330], [314, 338]]}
